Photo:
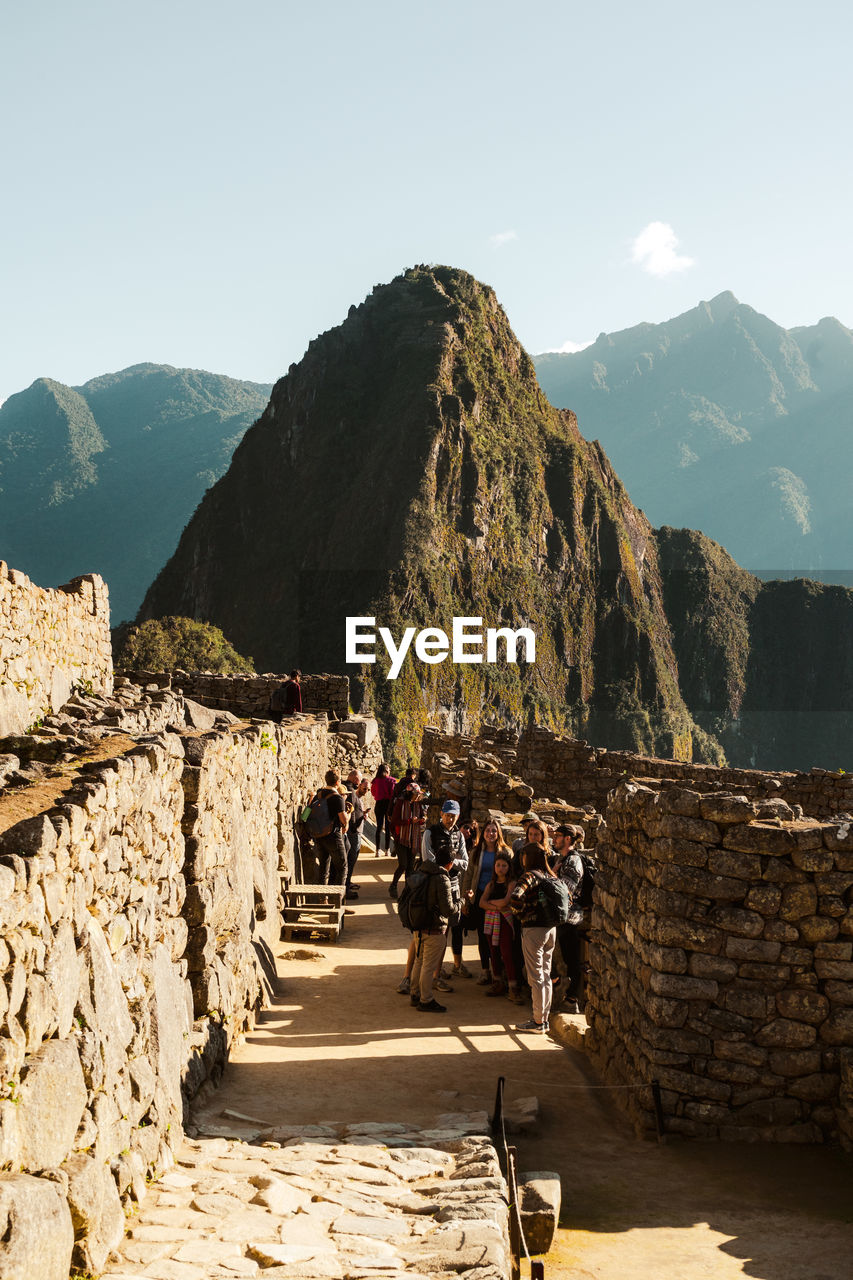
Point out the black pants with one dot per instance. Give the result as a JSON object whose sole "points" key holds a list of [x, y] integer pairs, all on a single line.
{"points": [[570, 942], [332, 858], [476, 919], [383, 820], [405, 861]]}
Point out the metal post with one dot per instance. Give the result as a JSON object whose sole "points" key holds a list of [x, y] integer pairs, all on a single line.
{"points": [[656, 1098], [499, 1106], [514, 1215]]}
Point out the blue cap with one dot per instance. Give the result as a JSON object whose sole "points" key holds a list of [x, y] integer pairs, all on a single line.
{"points": [[451, 806]]}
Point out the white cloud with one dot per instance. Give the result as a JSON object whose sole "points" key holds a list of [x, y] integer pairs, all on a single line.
{"points": [[654, 250], [501, 238], [570, 347]]}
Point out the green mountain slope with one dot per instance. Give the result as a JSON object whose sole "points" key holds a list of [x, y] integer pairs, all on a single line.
{"points": [[410, 469], [101, 478], [722, 420]]}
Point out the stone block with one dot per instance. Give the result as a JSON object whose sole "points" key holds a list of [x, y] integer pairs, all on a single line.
{"points": [[802, 1005], [752, 949], [798, 900], [759, 837], [726, 810], [52, 1097], [736, 920], [717, 968], [727, 862], [764, 898], [783, 1033], [539, 1203], [36, 1233], [685, 853], [838, 1027], [96, 1211], [683, 987], [814, 929]]}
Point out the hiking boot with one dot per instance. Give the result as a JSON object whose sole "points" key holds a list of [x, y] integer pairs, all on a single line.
{"points": [[496, 989], [414, 998], [461, 972], [485, 979], [433, 1007], [441, 985], [403, 988], [534, 1027], [514, 995]]}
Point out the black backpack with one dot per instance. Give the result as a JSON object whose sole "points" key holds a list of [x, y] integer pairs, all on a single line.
{"points": [[277, 700], [319, 822], [414, 904], [553, 902], [587, 884]]}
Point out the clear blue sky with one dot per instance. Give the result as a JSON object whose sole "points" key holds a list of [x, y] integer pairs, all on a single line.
{"points": [[212, 184]]}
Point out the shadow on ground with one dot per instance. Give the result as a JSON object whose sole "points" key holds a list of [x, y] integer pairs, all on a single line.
{"points": [[339, 1044]]}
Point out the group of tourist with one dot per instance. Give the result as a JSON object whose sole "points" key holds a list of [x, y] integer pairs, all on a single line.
{"points": [[478, 884], [339, 812], [522, 903]]}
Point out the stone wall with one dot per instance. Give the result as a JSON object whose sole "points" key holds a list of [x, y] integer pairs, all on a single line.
{"points": [[96, 1007], [722, 964], [138, 914], [50, 643], [243, 790], [249, 696], [549, 766]]}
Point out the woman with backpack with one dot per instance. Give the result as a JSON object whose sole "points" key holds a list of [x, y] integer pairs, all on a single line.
{"points": [[540, 903]]}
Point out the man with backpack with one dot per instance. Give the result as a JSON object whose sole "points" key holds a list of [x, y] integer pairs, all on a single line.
{"points": [[427, 907], [326, 824], [570, 867], [540, 901]]}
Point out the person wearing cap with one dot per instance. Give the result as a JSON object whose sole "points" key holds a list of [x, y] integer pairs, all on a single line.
{"points": [[567, 843]]}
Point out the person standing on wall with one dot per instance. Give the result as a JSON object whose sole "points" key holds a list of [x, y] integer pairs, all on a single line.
{"points": [[292, 693]]}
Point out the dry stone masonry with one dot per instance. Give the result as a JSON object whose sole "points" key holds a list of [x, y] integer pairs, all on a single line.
{"points": [[249, 696], [722, 956], [326, 1201], [50, 643], [545, 764], [144, 842]]}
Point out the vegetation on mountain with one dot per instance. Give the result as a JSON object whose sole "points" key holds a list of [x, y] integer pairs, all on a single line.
{"points": [[171, 644], [722, 420], [410, 469], [101, 478]]}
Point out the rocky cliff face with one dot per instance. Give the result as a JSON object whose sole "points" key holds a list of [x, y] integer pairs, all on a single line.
{"points": [[410, 469]]}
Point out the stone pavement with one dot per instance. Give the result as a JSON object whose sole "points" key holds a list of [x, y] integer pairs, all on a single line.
{"points": [[339, 1044], [374, 1203]]}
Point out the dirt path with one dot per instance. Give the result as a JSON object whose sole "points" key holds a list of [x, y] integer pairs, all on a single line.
{"points": [[340, 1044]]}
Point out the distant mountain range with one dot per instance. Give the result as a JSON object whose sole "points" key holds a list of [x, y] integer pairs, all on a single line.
{"points": [[723, 421], [409, 469], [102, 478]]}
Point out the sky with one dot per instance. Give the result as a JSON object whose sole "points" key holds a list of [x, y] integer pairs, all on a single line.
{"points": [[212, 185]]}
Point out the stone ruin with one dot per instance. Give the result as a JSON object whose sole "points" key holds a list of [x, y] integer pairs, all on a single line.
{"points": [[721, 940], [144, 843]]}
